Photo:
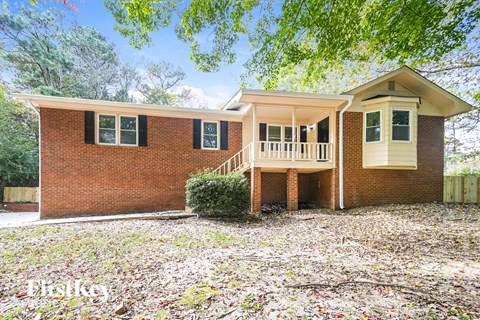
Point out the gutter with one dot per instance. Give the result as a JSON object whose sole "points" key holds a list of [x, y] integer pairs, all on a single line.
{"points": [[340, 155]]}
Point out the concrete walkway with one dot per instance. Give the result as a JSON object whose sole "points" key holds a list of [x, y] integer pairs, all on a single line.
{"points": [[26, 219]]}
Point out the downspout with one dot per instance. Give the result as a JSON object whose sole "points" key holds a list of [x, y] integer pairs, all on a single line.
{"points": [[340, 153], [29, 104]]}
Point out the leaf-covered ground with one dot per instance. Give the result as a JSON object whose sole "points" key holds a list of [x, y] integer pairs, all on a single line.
{"points": [[391, 262]]}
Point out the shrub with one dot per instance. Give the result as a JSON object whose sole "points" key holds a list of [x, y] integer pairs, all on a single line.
{"points": [[212, 195], [466, 172]]}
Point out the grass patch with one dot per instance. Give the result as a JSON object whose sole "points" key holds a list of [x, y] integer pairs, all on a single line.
{"points": [[195, 296]]}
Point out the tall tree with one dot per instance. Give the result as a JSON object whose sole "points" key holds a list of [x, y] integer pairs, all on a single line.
{"points": [[317, 33], [96, 63], [30, 45], [128, 79], [160, 78]]}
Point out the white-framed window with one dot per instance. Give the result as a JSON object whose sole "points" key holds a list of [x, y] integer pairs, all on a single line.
{"points": [[401, 125], [290, 135], [274, 133], [113, 129], [373, 126], [107, 129], [210, 135], [282, 134]]}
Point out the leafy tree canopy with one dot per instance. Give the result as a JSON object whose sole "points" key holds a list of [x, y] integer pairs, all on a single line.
{"points": [[317, 33], [18, 143], [29, 45]]}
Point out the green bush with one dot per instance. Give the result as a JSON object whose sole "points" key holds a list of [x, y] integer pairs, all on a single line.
{"points": [[212, 195], [465, 172]]}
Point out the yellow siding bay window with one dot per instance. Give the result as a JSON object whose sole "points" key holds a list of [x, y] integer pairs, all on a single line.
{"points": [[390, 133]]}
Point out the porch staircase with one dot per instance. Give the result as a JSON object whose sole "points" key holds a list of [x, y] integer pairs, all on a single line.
{"points": [[239, 162]]}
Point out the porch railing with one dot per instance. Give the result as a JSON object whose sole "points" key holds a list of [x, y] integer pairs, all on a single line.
{"points": [[294, 151], [306, 151], [240, 162]]}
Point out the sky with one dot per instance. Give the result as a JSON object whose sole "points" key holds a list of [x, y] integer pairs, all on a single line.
{"points": [[217, 87]]}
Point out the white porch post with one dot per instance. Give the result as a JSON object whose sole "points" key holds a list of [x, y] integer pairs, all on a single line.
{"points": [[254, 133], [294, 136]]}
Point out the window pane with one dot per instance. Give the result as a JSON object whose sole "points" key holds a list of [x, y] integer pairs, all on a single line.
{"points": [[400, 117], [373, 119], [107, 136], [288, 134], [210, 141], [274, 133], [209, 128], [401, 133], [106, 122], [128, 123], [128, 137], [373, 134]]}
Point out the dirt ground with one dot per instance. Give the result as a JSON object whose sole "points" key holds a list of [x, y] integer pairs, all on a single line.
{"points": [[390, 262]]}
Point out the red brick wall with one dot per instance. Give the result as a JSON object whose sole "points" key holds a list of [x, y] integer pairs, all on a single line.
{"points": [[20, 207], [292, 189], [256, 190], [274, 187], [364, 187], [322, 188], [304, 187], [81, 179]]}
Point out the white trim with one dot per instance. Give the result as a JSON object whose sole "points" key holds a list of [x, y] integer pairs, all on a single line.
{"points": [[97, 129], [117, 129], [218, 135], [120, 131], [275, 125], [365, 127], [369, 102], [126, 107], [409, 126], [295, 133]]}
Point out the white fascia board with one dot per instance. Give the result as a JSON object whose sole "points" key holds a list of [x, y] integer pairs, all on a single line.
{"points": [[42, 101], [343, 97], [390, 99]]}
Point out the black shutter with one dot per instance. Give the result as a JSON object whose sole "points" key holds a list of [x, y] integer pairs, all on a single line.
{"points": [[303, 136], [197, 134], [142, 131], [223, 135], [263, 132], [303, 133], [263, 135], [323, 131], [90, 127]]}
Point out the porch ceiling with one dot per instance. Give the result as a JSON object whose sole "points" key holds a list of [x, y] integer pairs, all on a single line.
{"points": [[302, 115]]}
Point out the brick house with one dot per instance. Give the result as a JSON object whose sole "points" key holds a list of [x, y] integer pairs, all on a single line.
{"points": [[380, 143]]}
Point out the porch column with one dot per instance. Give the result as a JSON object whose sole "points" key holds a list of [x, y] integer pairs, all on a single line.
{"points": [[256, 190], [292, 189], [254, 133], [294, 135]]}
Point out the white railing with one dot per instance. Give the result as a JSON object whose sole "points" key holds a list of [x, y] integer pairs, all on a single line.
{"points": [[311, 151], [240, 162], [294, 151]]}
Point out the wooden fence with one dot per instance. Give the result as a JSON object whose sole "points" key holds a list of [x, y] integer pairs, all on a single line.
{"points": [[461, 189], [20, 194]]}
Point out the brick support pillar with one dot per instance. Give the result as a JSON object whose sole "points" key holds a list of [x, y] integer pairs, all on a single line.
{"points": [[292, 190], [256, 190]]}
